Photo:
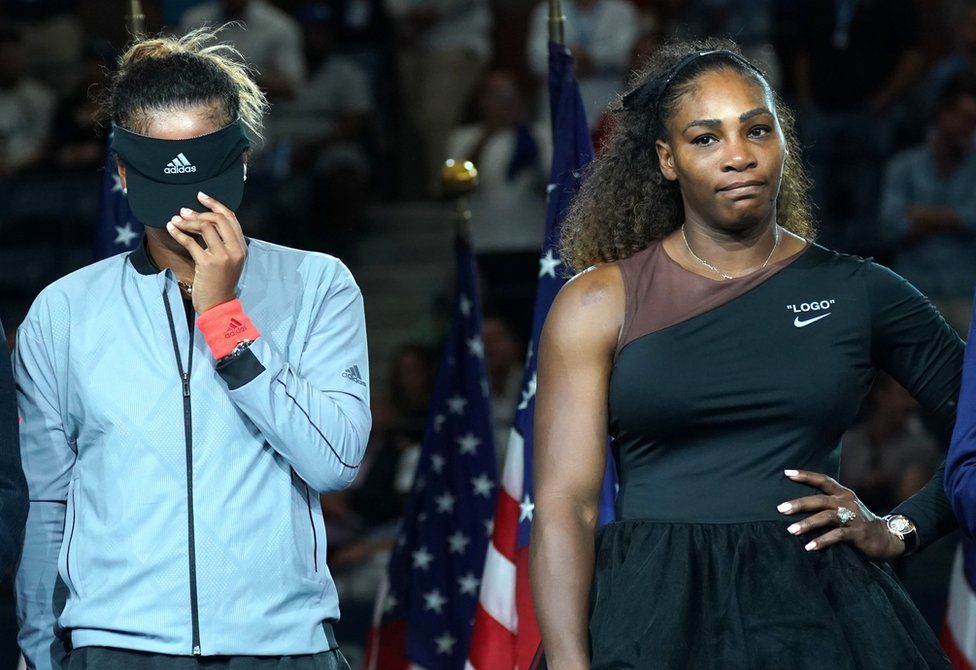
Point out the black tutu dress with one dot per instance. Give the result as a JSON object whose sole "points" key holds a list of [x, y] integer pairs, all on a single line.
{"points": [[717, 388]]}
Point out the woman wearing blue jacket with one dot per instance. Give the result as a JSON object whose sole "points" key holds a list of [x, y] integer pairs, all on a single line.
{"points": [[184, 404]]}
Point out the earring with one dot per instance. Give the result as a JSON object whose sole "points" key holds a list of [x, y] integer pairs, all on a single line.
{"points": [[245, 171], [125, 191]]}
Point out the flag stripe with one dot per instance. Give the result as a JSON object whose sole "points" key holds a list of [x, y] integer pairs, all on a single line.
{"points": [[952, 650], [506, 517], [494, 646], [499, 601], [959, 631], [513, 474]]}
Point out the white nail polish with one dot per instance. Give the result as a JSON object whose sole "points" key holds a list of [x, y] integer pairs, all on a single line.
{"points": [[811, 546], [791, 473], [794, 529], [784, 507]]}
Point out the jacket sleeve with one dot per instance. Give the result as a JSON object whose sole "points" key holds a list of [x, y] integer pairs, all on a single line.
{"points": [[13, 488], [960, 468], [914, 344], [48, 458], [315, 412]]}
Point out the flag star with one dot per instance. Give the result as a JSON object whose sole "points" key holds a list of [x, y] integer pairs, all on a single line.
{"points": [[550, 188], [116, 183], [437, 463], [459, 542], [490, 527], [445, 503], [421, 518], [434, 601], [527, 507], [469, 584], [476, 346], [445, 644], [390, 603], [548, 264], [482, 486], [529, 392], [456, 405], [422, 558], [466, 305], [125, 235], [439, 422], [468, 443]]}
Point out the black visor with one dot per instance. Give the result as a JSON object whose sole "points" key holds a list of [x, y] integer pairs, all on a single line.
{"points": [[163, 176]]}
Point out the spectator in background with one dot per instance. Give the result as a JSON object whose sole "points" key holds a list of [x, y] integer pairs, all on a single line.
{"points": [[961, 62], [752, 30], [76, 141], [26, 107], [601, 35], [509, 207], [52, 35], [504, 356], [890, 455], [325, 131], [443, 47], [267, 37], [855, 60], [928, 206]]}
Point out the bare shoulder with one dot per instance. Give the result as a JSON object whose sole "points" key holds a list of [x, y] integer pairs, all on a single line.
{"points": [[590, 307]]}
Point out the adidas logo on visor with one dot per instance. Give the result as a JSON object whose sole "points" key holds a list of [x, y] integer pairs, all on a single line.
{"points": [[179, 165]]}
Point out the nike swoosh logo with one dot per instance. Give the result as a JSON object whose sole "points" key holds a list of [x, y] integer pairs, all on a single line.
{"points": [[801, 324]]}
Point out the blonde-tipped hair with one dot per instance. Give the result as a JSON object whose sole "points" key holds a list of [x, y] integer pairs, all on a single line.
{"points": [[162, 73]]}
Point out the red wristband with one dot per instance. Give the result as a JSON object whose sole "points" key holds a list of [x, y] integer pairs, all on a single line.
{"points": [[224, 326]]}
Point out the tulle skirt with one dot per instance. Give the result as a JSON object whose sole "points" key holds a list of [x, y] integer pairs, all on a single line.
{"points": [[747, 595]]}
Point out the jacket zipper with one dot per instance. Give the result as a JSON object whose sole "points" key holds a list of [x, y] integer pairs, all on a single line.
{"points": [[311, 521], [188, 434]]}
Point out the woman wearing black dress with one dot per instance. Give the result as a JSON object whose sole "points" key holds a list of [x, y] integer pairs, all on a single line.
{"points": [[726, 354]]}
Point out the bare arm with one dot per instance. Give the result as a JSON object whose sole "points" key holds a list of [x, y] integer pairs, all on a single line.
{"points": [[575, 357]]}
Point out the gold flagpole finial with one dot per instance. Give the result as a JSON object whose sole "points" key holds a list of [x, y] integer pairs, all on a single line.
{"points": [[458, 180], [557, 22], [136, 19]]}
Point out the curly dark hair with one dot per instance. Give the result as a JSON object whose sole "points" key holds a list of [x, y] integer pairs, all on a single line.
{"points": [[625, 203]]}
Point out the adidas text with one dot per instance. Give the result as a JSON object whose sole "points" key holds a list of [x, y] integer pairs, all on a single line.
{"points": [[352, 374], [179, 165]]}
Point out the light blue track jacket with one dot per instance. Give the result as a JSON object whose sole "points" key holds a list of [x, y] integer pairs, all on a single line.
{"points": [[183, 518]]}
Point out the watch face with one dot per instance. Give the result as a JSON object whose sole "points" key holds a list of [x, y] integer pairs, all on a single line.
{"points": [[900, 525]]}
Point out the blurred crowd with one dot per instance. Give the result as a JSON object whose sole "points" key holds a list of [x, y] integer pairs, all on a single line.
{"points": [[370, 96]]}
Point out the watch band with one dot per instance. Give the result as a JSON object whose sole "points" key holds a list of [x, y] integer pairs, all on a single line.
{"points": [[904, 529], [238, 349]]}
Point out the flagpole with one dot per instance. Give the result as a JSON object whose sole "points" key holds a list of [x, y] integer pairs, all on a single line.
{"points": [[557, 22], [459, 179], [136, 19]]}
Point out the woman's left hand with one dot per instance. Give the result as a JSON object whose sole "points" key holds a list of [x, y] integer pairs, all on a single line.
{"points": [[865, 532], [219, 260]]}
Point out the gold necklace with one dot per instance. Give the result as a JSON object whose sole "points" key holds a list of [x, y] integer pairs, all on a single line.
{"points": [[725, 275], [185, 286]]}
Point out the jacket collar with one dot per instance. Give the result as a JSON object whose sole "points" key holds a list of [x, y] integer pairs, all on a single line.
{"points": [[139, 258]]}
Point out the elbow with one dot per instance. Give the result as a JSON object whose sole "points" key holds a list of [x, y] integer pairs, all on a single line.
{"points": [[344, 463]]}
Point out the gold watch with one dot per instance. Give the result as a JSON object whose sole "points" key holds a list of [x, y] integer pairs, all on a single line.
{"points": [[904, 529]]}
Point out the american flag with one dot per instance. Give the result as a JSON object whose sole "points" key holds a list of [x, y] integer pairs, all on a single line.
{"points": [[117, 229], [506, 635], [424, 613], [959, 630]]}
